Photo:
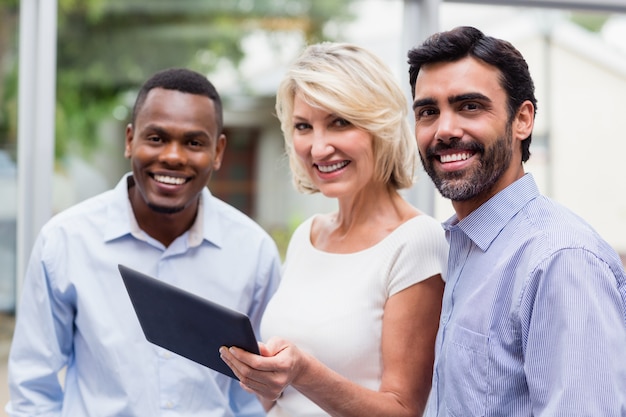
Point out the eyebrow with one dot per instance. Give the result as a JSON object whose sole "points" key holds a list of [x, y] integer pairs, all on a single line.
{"points": [[468, 96], [196, 133], [163, 132], [428, 101], [329, 116], [423, 102], [154, 128]]}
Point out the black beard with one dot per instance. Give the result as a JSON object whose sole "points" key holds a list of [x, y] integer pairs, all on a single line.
{"points": [[467, 184], [165, 210]]}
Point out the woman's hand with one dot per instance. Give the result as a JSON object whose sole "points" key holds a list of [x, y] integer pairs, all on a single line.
{"points": [[268, 374]]}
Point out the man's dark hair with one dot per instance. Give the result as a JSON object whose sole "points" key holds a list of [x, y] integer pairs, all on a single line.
{"points": [[466, 41], [185, 81]]}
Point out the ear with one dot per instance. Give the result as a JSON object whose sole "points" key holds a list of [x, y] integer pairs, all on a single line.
{"points": [[524, 121], [129, 139], [220, 146]]}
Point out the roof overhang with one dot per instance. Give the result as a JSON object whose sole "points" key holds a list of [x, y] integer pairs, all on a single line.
{"points": [[595, 5]]}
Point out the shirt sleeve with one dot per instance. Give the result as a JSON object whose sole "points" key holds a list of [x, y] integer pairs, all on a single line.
{"points": [[422, 254], [574, 336], [41, 344]]}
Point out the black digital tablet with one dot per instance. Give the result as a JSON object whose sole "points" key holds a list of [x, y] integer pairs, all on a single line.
{"points": [[185, 323]]}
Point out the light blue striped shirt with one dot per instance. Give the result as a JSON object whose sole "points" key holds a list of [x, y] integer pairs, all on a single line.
{"points": [[75, 312], [534, 314]]}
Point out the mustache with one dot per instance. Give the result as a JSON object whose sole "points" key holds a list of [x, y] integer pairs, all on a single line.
{"points": [[456, 145]]}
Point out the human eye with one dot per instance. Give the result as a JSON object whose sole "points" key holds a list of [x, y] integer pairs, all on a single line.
{"points": [[301, 126], [471, 106], [195, 143], [154, 138], [341, 122], [425, 112]]}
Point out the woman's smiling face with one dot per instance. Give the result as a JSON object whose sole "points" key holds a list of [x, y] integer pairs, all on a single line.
{"points": [[338, 156]]}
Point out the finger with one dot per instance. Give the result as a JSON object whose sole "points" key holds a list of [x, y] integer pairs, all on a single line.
{"points": [[246, 374], [242, 371], [253, 361], [263, 349], [258, 378], [230, 361]]}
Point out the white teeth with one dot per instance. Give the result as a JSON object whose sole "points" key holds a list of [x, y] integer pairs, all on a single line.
{"points": [[169, 180], [333, 167], [455, 157]]}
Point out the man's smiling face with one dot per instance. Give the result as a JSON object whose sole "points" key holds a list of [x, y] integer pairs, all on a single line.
{"points": [[463, 129], [174, 146]]}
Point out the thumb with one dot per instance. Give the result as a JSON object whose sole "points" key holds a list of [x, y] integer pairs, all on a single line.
{"points": [[264, 350]]}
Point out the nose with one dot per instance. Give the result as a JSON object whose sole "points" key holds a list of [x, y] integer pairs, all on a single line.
{"points": [[448, 126], [320, 146], [173, 154]]}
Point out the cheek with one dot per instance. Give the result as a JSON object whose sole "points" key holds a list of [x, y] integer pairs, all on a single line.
{"points": [[301, 148], [135, 154], [423, 138], [203, 161], [136, 163], [142, 154]]}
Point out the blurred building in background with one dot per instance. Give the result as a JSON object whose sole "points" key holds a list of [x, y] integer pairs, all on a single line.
{"points": [[578, 67]]}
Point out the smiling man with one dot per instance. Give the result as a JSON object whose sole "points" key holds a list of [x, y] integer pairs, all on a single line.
{"points": [[533, 320], [161, 220]]}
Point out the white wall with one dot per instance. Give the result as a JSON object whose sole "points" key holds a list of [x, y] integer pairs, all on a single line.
{"points": [[589, 143], [580, 85]]}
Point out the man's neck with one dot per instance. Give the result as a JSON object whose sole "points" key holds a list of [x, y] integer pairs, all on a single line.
{"points": [[164, 227]]}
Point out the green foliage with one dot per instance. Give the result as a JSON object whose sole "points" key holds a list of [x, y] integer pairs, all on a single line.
{"points": [[8, 111], [8, 74], [593, 22], [282, 234], [107, 48], [79, 110]]}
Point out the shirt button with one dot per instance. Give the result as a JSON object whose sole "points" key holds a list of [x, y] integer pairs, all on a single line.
{"points": [[169, 405]]}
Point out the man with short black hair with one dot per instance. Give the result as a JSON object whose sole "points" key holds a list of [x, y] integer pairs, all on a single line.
{"points": [[161, 220], [533, 319]]}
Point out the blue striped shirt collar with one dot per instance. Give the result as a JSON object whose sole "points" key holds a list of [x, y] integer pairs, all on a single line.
{"points": [[484, 224]]}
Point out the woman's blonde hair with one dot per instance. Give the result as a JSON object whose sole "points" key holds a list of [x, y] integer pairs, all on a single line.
{"points": [[357, 85]]}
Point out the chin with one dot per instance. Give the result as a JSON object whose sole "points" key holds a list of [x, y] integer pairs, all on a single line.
{"points": [[331, 193], [165, 209]]}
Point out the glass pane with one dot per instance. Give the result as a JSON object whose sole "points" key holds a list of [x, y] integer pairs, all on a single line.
{"points": [[8, 168], [8, 207], [8, 183]]}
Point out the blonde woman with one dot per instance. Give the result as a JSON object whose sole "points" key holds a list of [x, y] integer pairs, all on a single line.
{"points": [[351, 329]]}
